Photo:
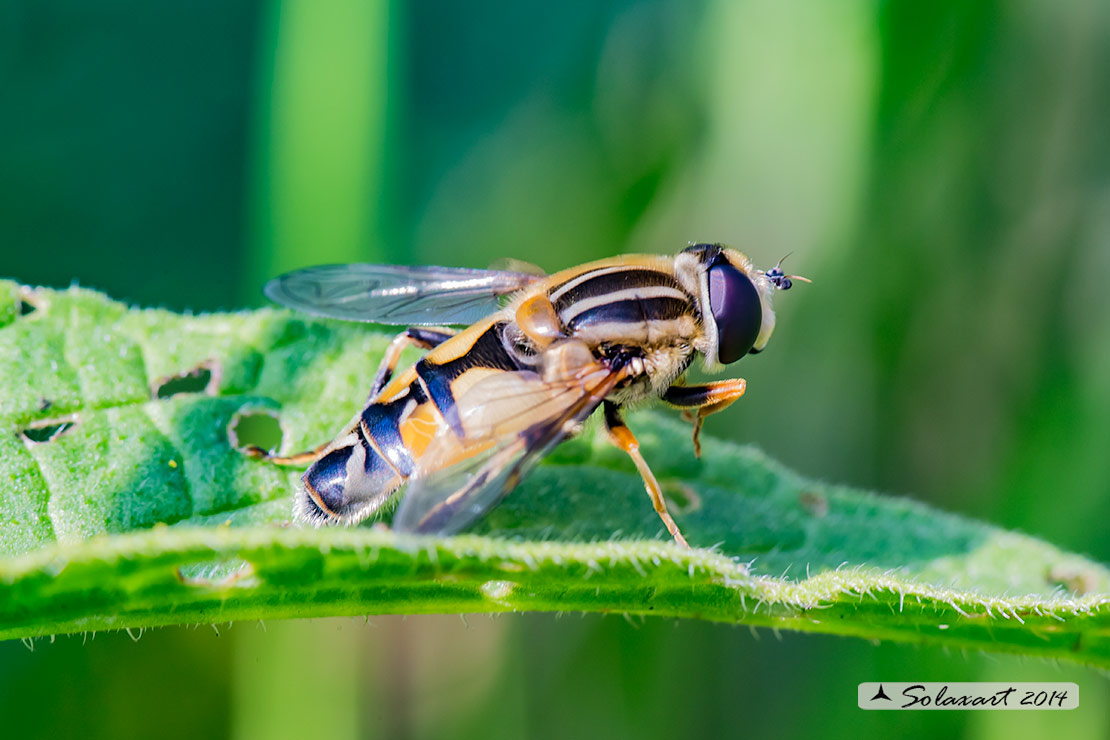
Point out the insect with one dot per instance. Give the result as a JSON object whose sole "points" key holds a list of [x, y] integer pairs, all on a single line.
{"points": [[469, 420]]}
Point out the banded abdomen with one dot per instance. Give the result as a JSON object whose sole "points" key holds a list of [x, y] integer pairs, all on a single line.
{"points": [[385, 443]]}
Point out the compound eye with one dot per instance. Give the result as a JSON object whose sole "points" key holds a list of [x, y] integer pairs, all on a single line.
{"points": [[736, 309]]}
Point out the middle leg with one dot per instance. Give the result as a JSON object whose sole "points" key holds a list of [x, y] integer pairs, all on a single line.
{"points": [[422, 338], [622, 437]]}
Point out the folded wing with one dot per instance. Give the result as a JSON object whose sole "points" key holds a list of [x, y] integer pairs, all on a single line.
{"points": [[395, 294], [511, 421]]}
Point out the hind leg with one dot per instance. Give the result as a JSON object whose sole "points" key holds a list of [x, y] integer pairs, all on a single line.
{"points": [[420, 337]]}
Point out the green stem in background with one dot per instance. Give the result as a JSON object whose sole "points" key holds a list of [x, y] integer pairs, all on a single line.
{"points": [[320, 143], [283, 668], [321, 128]]}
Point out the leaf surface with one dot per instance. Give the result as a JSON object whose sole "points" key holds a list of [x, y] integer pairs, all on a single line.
{"points": [[124, 503]]}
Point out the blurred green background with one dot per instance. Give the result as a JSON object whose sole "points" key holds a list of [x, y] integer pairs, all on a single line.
{"points": [[941, 170]]}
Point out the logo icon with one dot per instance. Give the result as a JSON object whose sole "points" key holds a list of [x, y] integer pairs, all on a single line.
{"points": [[880, 694]]}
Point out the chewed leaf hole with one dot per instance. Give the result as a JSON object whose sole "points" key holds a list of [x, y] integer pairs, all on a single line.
{"points": [[1077, 580], [254, 430], [197, 380], [219, 574], [47, 431], [814, 502], [27, 301], [681, 497]]}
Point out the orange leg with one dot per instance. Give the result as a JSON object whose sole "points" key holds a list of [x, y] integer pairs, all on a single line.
{"points": [[699, 401], [622, 437], [299, 459]]}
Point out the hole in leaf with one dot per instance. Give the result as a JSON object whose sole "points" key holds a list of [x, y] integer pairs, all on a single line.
{"points": [[47, 431], [681, 497], [219, 574], [1077, 580], [814, 502], [27, 303], [255, 429], [197, 380], [497, 590]]}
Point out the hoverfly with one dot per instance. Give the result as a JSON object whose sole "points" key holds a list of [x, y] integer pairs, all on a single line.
{"points": [[464, 424]]}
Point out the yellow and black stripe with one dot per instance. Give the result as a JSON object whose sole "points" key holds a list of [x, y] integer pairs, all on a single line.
{"points": [[624, 303]]}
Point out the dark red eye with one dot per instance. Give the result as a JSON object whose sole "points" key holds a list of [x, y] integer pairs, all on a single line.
{"points": [[736, 309]]}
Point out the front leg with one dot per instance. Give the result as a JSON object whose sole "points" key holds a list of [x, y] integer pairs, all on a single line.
{"points": [[622, 437], [706, 399]]}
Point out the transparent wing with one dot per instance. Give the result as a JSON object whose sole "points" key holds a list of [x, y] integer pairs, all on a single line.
{"points": [[394, 294], [512, 420], [512, 264]]}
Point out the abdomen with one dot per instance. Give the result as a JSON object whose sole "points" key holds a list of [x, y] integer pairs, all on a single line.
{"points": [[386, 442]]}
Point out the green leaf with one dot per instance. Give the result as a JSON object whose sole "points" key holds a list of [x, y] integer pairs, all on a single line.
{"points": [[124, 504]]}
